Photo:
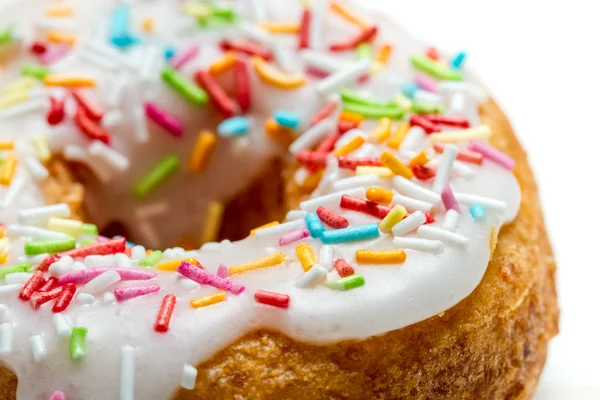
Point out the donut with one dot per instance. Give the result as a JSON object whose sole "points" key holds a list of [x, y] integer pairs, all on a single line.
{"points": [[259, 200]]}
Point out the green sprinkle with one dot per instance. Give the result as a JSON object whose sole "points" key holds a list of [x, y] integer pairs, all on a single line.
{"points": [[424, 107], [6, 35], [17, 268], [77, 343], [184, 86], [223, 12], [85, 242], [216, 21], [347, 283], [89, 229], [36, 247], [35, 70], [1, 159], [158, 175], [374, 112], [352, 96], [364, 51], [434, 69], [403, 102], [151, 259]]}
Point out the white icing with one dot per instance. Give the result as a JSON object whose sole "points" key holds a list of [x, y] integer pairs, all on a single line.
{"points": [[393, 297]]}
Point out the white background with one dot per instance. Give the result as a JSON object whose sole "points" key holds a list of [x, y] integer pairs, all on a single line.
{"points": [[540, 61]]}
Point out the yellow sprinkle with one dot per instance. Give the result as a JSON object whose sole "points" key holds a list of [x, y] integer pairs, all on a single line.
{"points": [[382, 131], [270, 224], [208, 300], [380, 256], [422, 158], [212, 222], [148, 24], [306, 256], [279, 133], [69, 80], [276, 77], [265, 262], [392, 218], [398, 136], [61, 37], [280, 27], [174, 264], [196, 9], [42, 151], [203, 149], [7, 145], [349, 116], [479, 132], [403, 102], [3, 257], [349, 147], [20, 84], [382, 172], [348, 15], [380, 196], [14, 97], [70, 226], [7, 171], [59, 11], [312, 181], [397, 166], [222, 64], [4, 244], [2, 232]]}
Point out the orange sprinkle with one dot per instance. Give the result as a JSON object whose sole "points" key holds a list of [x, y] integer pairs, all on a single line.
{"points": [[148, 24], [381, 196], [61, 37], [398, 136], [222, 64], [69, 80], [384, 53], [279, 133], [312, 181], [348, 15], [349, 116], [380, 256], [59, 11], [173, 264], [395, 165], [422, 158], [3, 257], [265, 262], [349, 147], [2, 232], [275, 77], [270, 224], [8, 170], [203, 149], [7, 145], [280, 27], [382, 131]]}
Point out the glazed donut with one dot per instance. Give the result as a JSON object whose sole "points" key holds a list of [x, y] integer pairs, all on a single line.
{"points": [[407, 256]]}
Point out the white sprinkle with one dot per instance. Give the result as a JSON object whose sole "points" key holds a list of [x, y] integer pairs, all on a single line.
{"points": [[116, 90], [451, 238], [277, 230], [150, 63], [411, 204], [62, 325], [17, 277], [79, 154], [210, 247], [314, 203], [138, 252], [188, 377], [4, 312], [112, 157], [326, 256], [412, 189], [458, 168], [284, 56], [140, 129], [343, 77], [187, 283], [112, 119], [442, 176], [317, 24], [9, 289], [36, 168], [6, 338], [62, 266], [458, 102], [23, 108], [410, 223], [300, 175], [320, 61], [54, 24], [427, 97], [312, 136], [122, 260], [95, 261], [109, 297], [37, 259], [355, 181], [451, 220], [78, 265], [14, 190], [486, 202], [97, 60], [425, 245], [127, 391], [258, 10], [38, 347], [474, 91], [34, 232], [311, 277], [293, 215], [257, 34], [41, 215], [85, 298]]}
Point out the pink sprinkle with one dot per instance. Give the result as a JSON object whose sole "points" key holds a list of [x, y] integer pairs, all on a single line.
{"points": [[184, 55], [426, 83], [164, 119], [83, 276], [206, 278], [223, 271], [449, 200], [55, 53], [58, 395], [316, 72], [293, 236], [363, 79], [127, 293], [492, 154]]}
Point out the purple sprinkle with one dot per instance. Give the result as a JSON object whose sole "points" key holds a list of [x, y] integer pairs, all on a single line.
{"points": [[206, 278], [449, 200], [127, 293]]}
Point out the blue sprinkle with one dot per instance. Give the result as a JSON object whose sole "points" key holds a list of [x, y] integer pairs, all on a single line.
{"points": [[314, 225], [129, 244], [169, 52], [287, 118], [409, 89], [363, 232], [235, 126], [119, 28], [458, 60], [478, 213]]}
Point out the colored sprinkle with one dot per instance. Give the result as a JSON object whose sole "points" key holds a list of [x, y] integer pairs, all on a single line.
{"points": [[352, 96], [421, 158], [272, 298], [280, 27], [7, 170], [332, 219], [304, 30], [151, 259], [169, 52], [50, 284], [241, 85], [323, 113], [365, 206], [42, 151], [491, 153], [349, 147], [34, 283], [253, 231], [235, 126], [347, 283], [288, 119], [351, 117], [203, 149], [348, 15], [479, 132], [222, 271], [449, 200], [382, 131], [251, 49], [35, 70], [350, 162], [69, 80], [374, 112], [343, 268], [378, 195], [365, 35], [395, 165], [279, 133], [222, 64], [275, 77], [163, 319], [218, 97], [111, 246], [77, 346], [64, 299], [396, 215], [61, 37], [164, 119], [268, 261], [209, 299], [449, 120], [89, 229], [84, 276], [184, 86], [203, 277], [364, 51], [478, 213], [58, 395], [183, 56], [314, 225], [49, 246], [174, 264], [380, 256], [306, 256], [165, 168], [212, 221], [90, 128], [381, 172], [435, 69], [56, 113], [293, 236], [128, 293], [119, 34], [357, 233], [69, 226], [458, 60], [426, 107], [40, 298]]}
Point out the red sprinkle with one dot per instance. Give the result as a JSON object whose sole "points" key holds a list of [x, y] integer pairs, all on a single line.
{"points": [[430, 219], [163, 319], [465, 155], [428, 126], [242, 84], [38, 48], [343, 268], [49, 285], [91, 108], [327, 145], [432, 53], [304, 33], [365, 206], [57, 111], [332, 219], [315, 72], [351, 162], [111, 246], [39, 298], [272, 298], [217, 95], [423, 172], [312, 158], [345, 126], [448, 120], [32, 285], [47, 262], [248, 48], [364, 36], [65, 297], [90, 128], [323, 113]]}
